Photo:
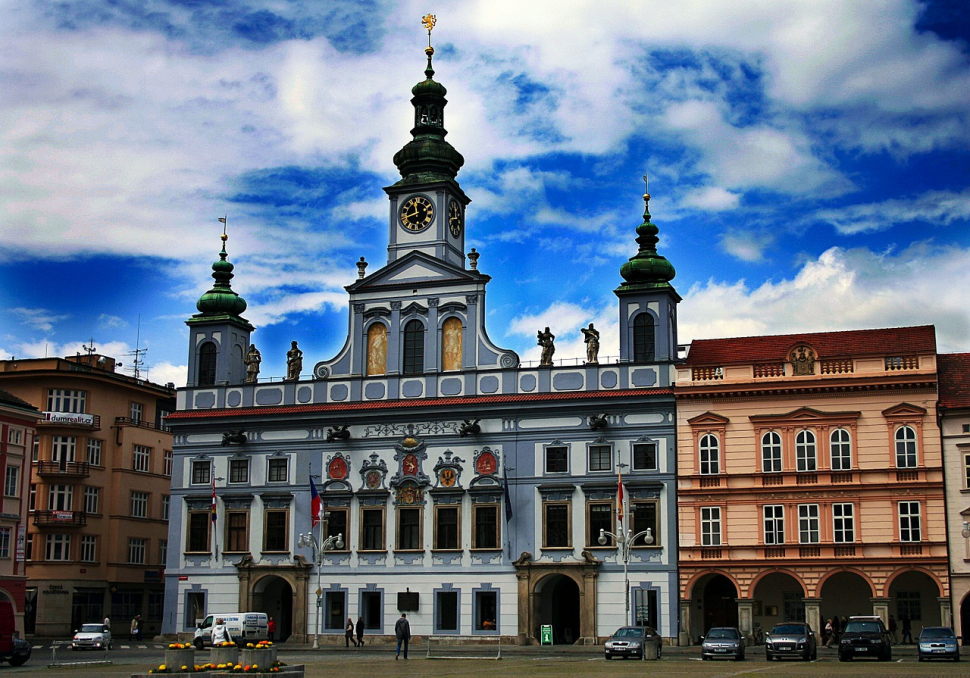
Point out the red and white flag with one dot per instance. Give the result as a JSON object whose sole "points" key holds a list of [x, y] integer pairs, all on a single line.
{"points": [[315, 504]]}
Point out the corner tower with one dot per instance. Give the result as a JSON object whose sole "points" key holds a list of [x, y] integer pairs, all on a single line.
{"points": [[427, 210], [648, 302]]}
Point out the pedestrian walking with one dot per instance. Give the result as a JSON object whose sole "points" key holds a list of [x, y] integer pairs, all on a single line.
{"points": [[107, 624], [360, 631], [836, 629], [907, 629], [134, 632], [271, 628], [220, 633], [402, 629], [349, 635], [828, 632], [892, 630]]}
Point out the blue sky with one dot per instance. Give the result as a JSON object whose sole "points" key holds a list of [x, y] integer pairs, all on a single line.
{"points": [[809, 163]]}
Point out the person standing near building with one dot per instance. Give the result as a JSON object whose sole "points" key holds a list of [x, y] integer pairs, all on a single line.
{"points": [[220, 633], [836, 629], [107, 624], [402, 629], [349, 635], [892, 630], [907, 630], [271, 628], [360, 632], [134, 632]]}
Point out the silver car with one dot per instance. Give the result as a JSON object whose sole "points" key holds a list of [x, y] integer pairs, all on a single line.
{"points": [[91, 637], [938, 642], [723, 641], [791, 639]]}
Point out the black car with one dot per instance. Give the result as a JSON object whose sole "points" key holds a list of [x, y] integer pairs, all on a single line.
{"points": [[722, 641], [865, 637], [628, 641], [791, 639]]}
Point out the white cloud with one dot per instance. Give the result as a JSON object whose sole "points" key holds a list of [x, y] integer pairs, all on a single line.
{"points": [[37, 318], [746, 246], [711, 199], [108, 321], [165, 373], [937, 207], [841, 290], [565, 320]]}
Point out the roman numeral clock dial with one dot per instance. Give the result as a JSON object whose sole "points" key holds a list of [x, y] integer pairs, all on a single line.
{"points": [[454, 218], [417, 213]]}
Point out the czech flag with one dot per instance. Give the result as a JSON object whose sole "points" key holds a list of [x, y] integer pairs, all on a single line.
{"points": [[619, 497], [315, 504]]}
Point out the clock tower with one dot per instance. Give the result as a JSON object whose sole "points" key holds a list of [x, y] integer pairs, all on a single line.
{"points": [[427, 210]]}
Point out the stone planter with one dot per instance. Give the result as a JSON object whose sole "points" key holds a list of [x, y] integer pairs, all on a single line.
{"points": [[264, 657], [224, 655], [176, 659]]}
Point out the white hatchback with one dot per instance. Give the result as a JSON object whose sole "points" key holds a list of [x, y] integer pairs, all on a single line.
{"points": [[91, 637]]}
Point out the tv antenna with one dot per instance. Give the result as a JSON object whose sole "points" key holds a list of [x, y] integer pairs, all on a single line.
{"points": [[137, 355], [90, 348]]}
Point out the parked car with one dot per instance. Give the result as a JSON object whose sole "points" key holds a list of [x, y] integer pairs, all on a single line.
{"points": [[92, 637], [243, 627], [722, 641], [13, 649], [865, 636], [938, 642], [628, 641], [791, 639]]}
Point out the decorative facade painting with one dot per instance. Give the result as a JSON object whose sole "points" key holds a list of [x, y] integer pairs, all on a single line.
{"points": [[451, 345], [377, 349]]}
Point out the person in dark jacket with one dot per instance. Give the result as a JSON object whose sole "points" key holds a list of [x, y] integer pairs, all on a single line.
{"points": [[402, 629], [360, 632], [349, 635], [907, 629]]}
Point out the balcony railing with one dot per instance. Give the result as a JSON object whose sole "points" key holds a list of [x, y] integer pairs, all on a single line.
{"points": [[64, 469], [60, 518], [140, 423]]}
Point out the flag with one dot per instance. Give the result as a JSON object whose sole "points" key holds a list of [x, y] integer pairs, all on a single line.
{"points": [[315, 504], [222, 220], [213, 509], [619, 498], [508, 499]]}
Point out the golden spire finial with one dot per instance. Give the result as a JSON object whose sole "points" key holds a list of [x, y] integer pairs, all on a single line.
{"points": [[222, 220], [429, 20], [646, 188]]}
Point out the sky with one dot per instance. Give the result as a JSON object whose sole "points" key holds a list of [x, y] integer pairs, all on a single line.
{"points": [[809, 164]]}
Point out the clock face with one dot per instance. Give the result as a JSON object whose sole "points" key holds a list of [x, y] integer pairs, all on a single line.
{"points": [[417, 213], [454, 218]]}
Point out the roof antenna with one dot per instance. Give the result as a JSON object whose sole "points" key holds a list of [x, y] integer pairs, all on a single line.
{"points": [[137, 354]]}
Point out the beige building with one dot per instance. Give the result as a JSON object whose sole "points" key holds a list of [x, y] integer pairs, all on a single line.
{"points": [[99, 494], [955, 422], [810, 480]]}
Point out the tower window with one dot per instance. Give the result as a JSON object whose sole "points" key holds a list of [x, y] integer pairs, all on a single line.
{"points": [[207, 364], [644, 341], [414, 347]]}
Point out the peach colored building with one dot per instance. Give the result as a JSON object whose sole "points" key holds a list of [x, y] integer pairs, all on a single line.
{"points": [[811, 480], [18, 421], [99, 494]]}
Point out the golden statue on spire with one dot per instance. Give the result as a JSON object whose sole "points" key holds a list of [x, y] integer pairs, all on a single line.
{"points": [[429, 20]]}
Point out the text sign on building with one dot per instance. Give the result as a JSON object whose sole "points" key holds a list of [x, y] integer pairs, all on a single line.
{"points": [[69, 418], [63, 515], [21, 543]]}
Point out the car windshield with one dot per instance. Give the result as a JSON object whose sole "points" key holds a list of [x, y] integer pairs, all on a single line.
{"points": [[788, 629], [936, 633], [629, 632], [92, 628], [863, 627], [722, 633]]}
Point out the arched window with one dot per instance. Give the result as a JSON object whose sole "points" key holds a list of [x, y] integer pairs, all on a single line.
{"points": [[376, 349], [710, 453], [805, 448], [644, 341], [905, 447], [207, 364], [413, 347], [451, 344], [841, 445], [771, 452]]}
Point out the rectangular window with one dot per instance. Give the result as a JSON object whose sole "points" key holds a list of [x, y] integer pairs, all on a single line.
{"points": [[168, 460], [335, 603], [166, 506], [278, 470], [486, 611], [198, 533], [843, 523], [372, 529], [139, 504], [94, 452], [372, 609], [163, 552], [11, 482], [238, 470], [32, 498], [65, 400], [774, 524], [275, 530], [556, 525], [446, 528], [35, 449], [908, 604], [136, 551], [808, 524], [125, 604], [909, 521], [408, 529], [89, 548], [600, 458], [143, 458], [599, 516], [58, 547], [966, 471], [92, 499], [4, 542], [201, 471], [485, 526], [237, 531], [841, 443], [711, 526], [644, 456], [156, 605], [63, 448], [557, 459], [643, 515], [60, 498], [136, 412], [336, 524], [446, 611], [15, 436]]}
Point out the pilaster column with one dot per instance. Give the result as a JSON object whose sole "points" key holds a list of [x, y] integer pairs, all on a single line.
{"points": [[880, 606], [746, 618], [946, 612], [683, 637], [813, 614]]}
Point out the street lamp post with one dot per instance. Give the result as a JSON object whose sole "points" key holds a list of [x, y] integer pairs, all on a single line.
{"points": [[334, 541], [625, 540]]}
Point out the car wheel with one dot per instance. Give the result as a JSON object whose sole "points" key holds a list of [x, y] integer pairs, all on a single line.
{"points": [[199, 645], [919, 658], [18, 661], [845, 657], [814, 653], [888, 657], [705, 658]]}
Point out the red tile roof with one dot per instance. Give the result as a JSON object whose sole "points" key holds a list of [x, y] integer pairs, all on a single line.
{"points": [[953, 370], [429, 402], [894, 341]]}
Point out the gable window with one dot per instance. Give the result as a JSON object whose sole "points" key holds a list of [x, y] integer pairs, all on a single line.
{"points": [[238, 470], [278, 470], [556, 525], [275, 530], [709, 448], [645, 456], [805, 449], [600, 458], [413, 347], [710, 526], [143, 456], [447, 528], [599, 516], [485, 526], [771, 452], [644, 342], [557, 459], [207, 364], [808, 524], [905, 447], [372, 529], [201, 472], [909, 521], [841, 446], [643, 516], [197, 534], [843, 523], [408, 529], [774, 516]]}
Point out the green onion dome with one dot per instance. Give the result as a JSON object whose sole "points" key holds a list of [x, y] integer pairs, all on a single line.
{"points": [[646, 267], [221, 300]]}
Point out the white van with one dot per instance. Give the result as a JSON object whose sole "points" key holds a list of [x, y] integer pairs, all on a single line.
{"points": [[244, 627]]}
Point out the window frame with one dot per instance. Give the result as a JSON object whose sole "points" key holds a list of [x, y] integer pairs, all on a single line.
{"points": [[92, 500], [652, 451], [193, 531], [773, 525], [547, 459], [599, 466], [441, 531], [711, 526], [57, 542], [840, 450], [93, 451], [273, 466], [141, 458], [271, 536], [494, 523], [137, 412], [809, 524], [806, 451], [369, 529], [200, 472], [844, 523], [566, 506], [89, 548], [236, 535], [454, 608], [60, 493], [636, 526], [139, 504], [63, 449], [593, 526], [771, 452], [644, 329], [74, 399], [208, 359], [907, 455], [414, 540], [234, 467], [709, 455], [11, 481], [136, 546], [168, 462], [5, 539], [412, 347], [909, 531]]}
